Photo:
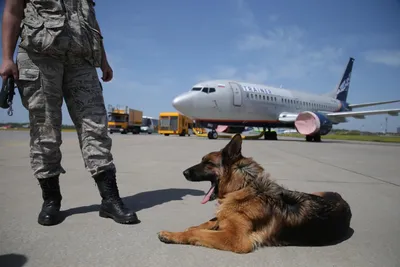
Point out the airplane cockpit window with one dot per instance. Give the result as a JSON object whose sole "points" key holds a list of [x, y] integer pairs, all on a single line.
{"points": [[205, 90], [196, 88]]}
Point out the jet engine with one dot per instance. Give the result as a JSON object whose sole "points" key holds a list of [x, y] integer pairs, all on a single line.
{"points": [[311, 123]]}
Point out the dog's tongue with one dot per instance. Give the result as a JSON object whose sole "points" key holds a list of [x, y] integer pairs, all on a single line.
{"points": [[208, 195]]}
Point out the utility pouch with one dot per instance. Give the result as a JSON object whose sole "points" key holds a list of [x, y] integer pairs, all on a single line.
{"points": [[7, 94]]}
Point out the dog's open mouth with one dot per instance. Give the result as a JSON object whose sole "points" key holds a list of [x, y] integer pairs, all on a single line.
{"points": [[211, 194]]}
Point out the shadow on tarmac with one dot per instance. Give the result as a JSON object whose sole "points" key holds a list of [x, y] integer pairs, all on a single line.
{"points": [[13, 260], [141, 201]]}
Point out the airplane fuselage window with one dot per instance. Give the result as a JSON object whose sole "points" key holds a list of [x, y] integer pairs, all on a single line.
{"points": [[196, 88]]}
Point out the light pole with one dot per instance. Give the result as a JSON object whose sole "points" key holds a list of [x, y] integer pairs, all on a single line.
{"points": [[386, 121]]}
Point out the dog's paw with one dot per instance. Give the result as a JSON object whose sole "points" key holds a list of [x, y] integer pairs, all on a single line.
{"points": [[165, 237]]}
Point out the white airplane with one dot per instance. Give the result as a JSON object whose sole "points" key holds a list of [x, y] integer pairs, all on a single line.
{"points": [[239, 104]]}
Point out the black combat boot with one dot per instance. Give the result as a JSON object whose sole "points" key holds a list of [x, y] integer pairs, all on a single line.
{"points": [[50, 213], [111, 204]]}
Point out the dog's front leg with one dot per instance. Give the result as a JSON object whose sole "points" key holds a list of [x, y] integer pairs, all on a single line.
{"points": [[222, 240], [209, 225]]}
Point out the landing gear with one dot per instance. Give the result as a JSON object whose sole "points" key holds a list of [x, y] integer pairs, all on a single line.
{"points": [[315, 138], [270, 135], [212, 134]]}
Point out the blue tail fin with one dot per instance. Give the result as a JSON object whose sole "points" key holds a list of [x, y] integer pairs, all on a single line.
{"points": [[343, 87]]}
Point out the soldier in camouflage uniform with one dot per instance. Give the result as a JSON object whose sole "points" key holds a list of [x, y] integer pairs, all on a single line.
{"points": [[61, 46]]}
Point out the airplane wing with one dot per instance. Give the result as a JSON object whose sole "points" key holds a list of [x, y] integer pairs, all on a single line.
{"points": [[372, 104], [287, 117], [362, 114], [291, 117]]}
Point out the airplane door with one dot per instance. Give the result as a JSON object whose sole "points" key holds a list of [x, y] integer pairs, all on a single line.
{"points": [[297, 103], [237, 94]]}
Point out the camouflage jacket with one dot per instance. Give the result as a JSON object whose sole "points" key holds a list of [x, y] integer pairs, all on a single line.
{"points": [[49, 27]]}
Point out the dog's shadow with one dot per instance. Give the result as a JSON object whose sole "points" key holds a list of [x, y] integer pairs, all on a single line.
{"points": [[13, 260], [347, 236], [337, 241], [141, 201]]}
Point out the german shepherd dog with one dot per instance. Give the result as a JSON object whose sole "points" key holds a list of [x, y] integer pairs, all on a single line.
{"points": [[255, 211]]}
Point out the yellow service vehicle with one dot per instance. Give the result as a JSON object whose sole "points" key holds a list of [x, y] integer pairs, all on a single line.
{"points": [[124, 120], [174, 123]]}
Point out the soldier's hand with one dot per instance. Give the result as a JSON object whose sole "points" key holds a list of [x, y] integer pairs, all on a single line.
{"points": [[8, 68], [107, 72]]}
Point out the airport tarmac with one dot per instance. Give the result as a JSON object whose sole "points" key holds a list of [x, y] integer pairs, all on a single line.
{"points": [[150, 180]]}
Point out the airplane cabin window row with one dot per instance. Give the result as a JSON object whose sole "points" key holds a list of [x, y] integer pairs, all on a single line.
{"points": [[290, 101], [262, 97]]}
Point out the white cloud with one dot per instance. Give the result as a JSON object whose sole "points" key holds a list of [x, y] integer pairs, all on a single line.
{"points": [[227, 72], [387, 57], [273, 18], [245, 16], [128, 87], [254, 42], [278, 52], [231, 73], [257, 76], [219, 72], [284, 39]]}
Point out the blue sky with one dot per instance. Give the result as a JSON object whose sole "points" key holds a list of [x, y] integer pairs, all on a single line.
{"points": [[159, 49]]}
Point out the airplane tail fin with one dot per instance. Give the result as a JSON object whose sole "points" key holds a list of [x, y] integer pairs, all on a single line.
{"points": [[342, 89]]}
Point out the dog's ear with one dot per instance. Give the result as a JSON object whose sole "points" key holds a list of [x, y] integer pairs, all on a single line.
{"points": [[233, 150]]}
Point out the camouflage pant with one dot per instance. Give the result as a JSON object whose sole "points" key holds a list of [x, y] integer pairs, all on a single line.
{"points": [[43, 84]]}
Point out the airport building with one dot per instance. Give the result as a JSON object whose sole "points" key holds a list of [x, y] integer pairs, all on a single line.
{"points": [[398, 130]]}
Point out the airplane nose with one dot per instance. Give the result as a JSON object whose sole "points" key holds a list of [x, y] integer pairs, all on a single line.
{"points": [[182, 103]]}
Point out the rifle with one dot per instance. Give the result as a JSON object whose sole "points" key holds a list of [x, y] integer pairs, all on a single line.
{"points": [[7, 94]]}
